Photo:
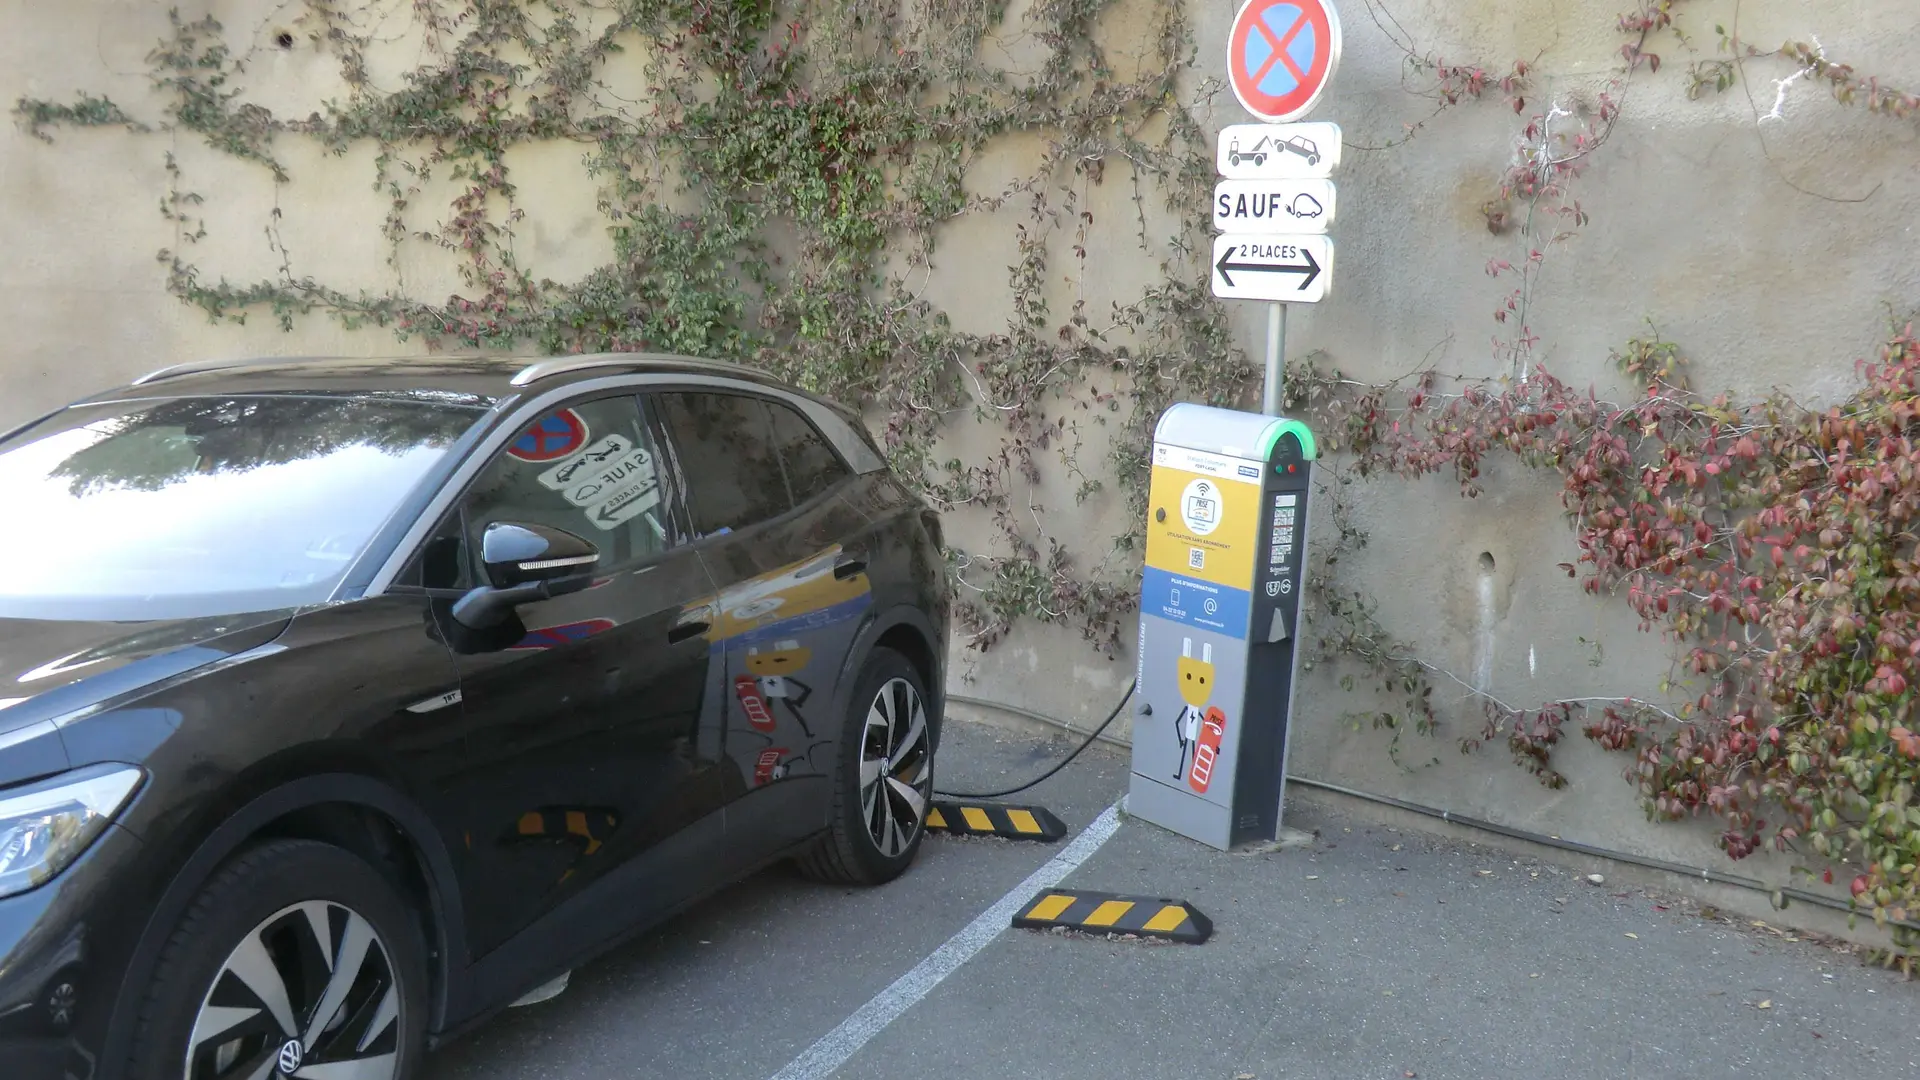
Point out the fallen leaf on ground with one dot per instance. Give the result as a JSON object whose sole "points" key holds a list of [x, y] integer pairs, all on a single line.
{"points": [[1635, 937], [1767, 1004], [1395, 847], [1313, 877], [1484, 873]]}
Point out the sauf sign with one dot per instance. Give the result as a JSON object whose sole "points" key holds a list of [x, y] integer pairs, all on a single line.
{"points": [[1273, 206], [1276, 200]]}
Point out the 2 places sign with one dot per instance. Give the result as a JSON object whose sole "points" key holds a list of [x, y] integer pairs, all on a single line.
{"points": [[1291, 269]]}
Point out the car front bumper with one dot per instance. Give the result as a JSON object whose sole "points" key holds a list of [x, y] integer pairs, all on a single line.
{"points": [[56, 986]]}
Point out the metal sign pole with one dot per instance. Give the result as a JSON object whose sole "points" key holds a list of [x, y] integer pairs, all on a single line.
{"points": [[1273, 394]]}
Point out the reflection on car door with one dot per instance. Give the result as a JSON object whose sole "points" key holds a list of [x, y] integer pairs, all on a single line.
{"points": [[784, 550], [592, 735]]}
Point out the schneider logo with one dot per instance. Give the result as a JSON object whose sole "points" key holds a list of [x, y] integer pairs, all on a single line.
{"points": [[1249, 470]]}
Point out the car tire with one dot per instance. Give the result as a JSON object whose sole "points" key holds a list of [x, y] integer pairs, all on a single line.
{"points": [[883, 778], [228, 995]]}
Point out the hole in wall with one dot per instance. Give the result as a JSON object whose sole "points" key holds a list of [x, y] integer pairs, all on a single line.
{"points": [[1486, 562], [283, 39]]}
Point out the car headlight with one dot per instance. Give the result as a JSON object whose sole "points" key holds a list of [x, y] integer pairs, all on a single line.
{"points": [[46, 825]]}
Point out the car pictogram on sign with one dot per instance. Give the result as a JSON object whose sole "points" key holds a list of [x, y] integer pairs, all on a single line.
{"points": [[1302, 146]]}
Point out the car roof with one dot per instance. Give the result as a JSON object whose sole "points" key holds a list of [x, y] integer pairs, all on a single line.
{"points": [[482, 379], [477, 381]]}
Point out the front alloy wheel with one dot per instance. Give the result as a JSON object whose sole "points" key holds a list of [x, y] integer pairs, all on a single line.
{"points": [[296, 959], [896, 777], [308, 993]]}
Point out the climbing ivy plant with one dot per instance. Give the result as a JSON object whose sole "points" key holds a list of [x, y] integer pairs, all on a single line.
{"points": [[778, 199], [1770, 542], [793, 170]]}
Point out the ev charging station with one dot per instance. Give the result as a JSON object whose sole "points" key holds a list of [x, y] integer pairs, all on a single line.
{"points": [[1219, 621], [1227, 507]]}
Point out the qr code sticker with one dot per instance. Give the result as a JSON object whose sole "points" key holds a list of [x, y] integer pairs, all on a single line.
{"points": [[1196, 558]]}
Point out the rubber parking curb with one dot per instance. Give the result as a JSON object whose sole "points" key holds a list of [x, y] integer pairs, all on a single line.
{"points": [[1114, 913], [994, 819]]}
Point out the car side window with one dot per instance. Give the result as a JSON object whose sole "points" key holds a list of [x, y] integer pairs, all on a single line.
{"points": [[727, 458], [811, 463], [591, 469]]}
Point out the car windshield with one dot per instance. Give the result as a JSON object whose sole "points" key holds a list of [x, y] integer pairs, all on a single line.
{"points": [[204, 506]]}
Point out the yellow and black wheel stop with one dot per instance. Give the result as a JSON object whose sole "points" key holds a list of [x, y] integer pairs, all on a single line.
{"points": [[994, 819], [1113, 913]]}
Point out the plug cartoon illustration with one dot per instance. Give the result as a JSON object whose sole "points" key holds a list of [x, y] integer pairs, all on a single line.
{"points": [[1196, 686], [775, 669]]}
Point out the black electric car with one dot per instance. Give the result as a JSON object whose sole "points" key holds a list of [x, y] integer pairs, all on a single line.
{"points": [[346, 702]]}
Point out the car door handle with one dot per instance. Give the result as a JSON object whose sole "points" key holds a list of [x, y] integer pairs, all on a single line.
{"points": [[687, 630], [852, 566]]}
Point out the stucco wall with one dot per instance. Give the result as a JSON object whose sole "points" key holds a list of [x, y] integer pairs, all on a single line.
{"points": [[1771, 249]]}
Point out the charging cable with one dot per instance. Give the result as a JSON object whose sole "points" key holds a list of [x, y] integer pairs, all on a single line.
{"points": [[1064, 762]]}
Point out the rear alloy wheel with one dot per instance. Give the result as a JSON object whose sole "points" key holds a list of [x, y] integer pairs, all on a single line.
{"points": [[298, 960], [884, 780], [896, 775]]}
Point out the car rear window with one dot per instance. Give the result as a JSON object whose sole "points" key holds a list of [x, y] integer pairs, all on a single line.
{"points": [[727, 455], [204, 506], [812, 466]]}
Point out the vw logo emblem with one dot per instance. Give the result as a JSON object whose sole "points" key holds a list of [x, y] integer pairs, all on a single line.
{"points": [[289, 1057]]}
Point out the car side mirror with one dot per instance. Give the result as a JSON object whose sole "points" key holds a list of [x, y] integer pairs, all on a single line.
{"points": [[525, 563], [517, 554]]}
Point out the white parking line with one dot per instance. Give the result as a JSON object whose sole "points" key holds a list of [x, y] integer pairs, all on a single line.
{"points": [[836, 1046]]}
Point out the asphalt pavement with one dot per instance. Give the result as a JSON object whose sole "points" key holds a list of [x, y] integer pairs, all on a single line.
{"points": [[1369, 953]]}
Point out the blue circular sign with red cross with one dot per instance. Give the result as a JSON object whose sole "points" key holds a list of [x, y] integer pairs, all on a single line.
{"points": [[1281, 55], [553, 438], [548, 637]]}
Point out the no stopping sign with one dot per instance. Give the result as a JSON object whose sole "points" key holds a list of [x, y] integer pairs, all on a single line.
{"points": [[1281, 55]]}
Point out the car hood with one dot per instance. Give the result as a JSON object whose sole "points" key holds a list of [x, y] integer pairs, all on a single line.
{"points": [[49, 668]]}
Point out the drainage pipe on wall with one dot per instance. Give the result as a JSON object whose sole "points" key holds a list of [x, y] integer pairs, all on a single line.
{"points": [[1779, 896]]}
